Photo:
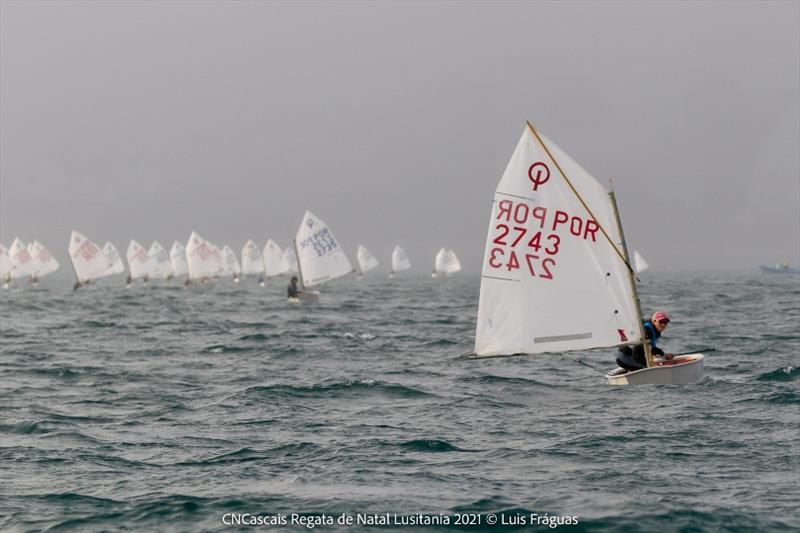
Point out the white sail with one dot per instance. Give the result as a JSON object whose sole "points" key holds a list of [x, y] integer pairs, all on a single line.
{"points": [[22, 263], [177, 259], [551, 280], [445, 263], [400, 260], [232, 266], [43, 261], [639, 264], [319, 256], [202, 258], [275, 261], [160, 266], [139, 263], [291, 259], [88, 261], [5, 264], [115, 265], [452, 264], [222, 265], [252, 262], [366, 261]]}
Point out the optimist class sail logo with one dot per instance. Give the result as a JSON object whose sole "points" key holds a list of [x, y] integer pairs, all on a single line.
{"points": [[539, 174]]}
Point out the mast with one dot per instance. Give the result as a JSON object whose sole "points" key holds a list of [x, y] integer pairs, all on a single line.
{"points": [[648, 354]]}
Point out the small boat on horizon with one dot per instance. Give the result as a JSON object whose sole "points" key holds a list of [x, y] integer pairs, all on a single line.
{"points": [[780, 268]]}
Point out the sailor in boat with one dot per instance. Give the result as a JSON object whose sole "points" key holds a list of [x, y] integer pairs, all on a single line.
{"points": [[292, 291], [632, 358]]}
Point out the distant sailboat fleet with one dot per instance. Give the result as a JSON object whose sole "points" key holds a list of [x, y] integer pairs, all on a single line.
{"points": [[314, 254]]}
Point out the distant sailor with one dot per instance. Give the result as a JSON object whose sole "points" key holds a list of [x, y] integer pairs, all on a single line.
{"points": [[292, 291], [633, 358]]}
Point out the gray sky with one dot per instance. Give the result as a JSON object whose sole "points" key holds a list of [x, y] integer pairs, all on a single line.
{"points": [[394, 121]]}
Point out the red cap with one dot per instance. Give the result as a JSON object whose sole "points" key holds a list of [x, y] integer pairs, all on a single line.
{"points": [[659, 316]]}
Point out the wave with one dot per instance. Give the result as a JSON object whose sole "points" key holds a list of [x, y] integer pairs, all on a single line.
{"points": [[787, 397], [259, 337], [224, 348], [721, 519], [26, 427], [490, 379], [787, 373], [246, 455], [99, 324], [435, 446], [333, 390]]}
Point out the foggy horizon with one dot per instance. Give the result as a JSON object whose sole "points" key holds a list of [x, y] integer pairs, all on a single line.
{"points": [[393, 122]]}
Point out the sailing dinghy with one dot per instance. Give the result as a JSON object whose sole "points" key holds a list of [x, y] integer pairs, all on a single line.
{"points": [[43, 260], [556, 274], [22, 263], [139, 262], [320, 258], [115, 261], [177, 259], [231, 264], [202, 258], [88, 260], [252, 262], [445, 263], [639, 264], [275, 261], [366, 261], [160, 266], [5, 266], [400, 261]]}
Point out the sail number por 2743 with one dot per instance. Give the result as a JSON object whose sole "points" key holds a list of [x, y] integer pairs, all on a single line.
{"points": [[513, 236]]}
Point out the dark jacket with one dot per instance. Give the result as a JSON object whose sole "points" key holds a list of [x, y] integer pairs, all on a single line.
{"points": [[292, 290]]}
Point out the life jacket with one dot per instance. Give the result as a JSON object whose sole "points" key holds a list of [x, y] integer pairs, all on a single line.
{"points": [[654, 333]]}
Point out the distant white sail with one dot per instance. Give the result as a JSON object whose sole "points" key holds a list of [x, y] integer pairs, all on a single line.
{"points": [[22, 264], [275, 261], [446, 263], [202, 258], [453, 264], [291, 258], [400, 260], [115, 261], [231, 263], [43, 261], [252, 262], [639, 264], [222, 266], [160, 266], [551, 280], [177, 259], [88, 261], [319, 255], [5, 264], [366, 261], [439, 260], [139, 263]]}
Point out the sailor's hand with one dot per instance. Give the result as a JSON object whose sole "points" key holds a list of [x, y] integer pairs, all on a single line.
{"points": [[669, 356]]}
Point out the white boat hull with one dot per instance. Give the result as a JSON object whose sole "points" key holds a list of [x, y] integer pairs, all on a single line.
{"points": [[683, 370], [305, 297]]}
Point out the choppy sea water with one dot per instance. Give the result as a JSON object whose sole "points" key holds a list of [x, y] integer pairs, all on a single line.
{"points": [[159, 408]]}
